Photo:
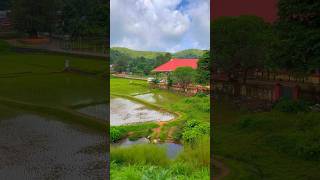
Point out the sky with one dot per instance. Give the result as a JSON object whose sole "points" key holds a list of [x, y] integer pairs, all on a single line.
{"points": [[160, 25]]}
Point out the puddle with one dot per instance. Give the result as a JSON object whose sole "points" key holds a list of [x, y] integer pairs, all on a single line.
{"points": [[98, 111], [124, 111], [33, 147], [173, 149]]}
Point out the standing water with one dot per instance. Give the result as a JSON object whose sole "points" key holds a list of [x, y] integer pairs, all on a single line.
{"points": [[34, 147], [124, 111]]}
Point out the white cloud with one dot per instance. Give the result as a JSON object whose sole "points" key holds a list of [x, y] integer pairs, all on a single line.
{"points": [[159, 24]]}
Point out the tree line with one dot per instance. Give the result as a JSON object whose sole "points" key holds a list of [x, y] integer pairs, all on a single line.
{"points": [[246, 43], [77, 18]]}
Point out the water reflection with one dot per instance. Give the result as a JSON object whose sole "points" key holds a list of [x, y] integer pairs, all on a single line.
{"points": [[124, 111], [33, 147], [172, 149]]}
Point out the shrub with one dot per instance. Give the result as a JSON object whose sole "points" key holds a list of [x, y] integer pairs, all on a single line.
{"points": [[290, 106], [194, 130], [116, 134]]}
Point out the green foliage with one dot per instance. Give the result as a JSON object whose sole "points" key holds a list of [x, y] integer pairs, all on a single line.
{"points": [[116, 134], [184, 76], [240, 44], [138, 131], [291, 106], [143, 62], [33, 16], [139, 154], [204, 68], [175, 170], [194, 130], [189, 53], [299, 37], [84, 18], [197, 154]]}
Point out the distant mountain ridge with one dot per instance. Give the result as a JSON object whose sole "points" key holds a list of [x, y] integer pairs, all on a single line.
{"points": [[188, 53]]}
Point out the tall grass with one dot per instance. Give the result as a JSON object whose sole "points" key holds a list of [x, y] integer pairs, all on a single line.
{"points": [[197, 154], [146, 154]]}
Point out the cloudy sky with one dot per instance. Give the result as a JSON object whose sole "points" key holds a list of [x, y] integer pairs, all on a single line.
{"points": [[160, 25]]}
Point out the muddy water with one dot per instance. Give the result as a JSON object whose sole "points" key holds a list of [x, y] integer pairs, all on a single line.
{"points": [[124, 111], [150, 97], [33, 147], [98, 111], [172, 149]]}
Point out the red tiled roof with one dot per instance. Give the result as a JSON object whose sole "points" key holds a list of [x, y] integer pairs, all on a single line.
{"points": [[173, 64]]}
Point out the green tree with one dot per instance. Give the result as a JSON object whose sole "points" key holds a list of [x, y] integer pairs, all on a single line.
{"points": [[298, 48], [34, 16], [83, 18], [204, 67], [183, 76], [240, 44], [161, 59]]}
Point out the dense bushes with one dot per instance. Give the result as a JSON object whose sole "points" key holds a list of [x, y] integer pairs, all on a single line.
{"points": [[291, 106], [194, 130]]}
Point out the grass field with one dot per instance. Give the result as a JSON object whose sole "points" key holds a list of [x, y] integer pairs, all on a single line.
{"points": [[37, 80], [268, 145], [150, 162]]}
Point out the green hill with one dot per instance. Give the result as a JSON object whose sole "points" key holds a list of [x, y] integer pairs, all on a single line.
{"points": [[189, 53], [135, 54]]}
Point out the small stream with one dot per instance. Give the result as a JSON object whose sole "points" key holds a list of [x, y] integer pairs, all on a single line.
{"points": [[172, 149]]}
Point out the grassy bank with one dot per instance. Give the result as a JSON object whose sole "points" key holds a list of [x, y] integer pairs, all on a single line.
{"points": [[279, 144]]}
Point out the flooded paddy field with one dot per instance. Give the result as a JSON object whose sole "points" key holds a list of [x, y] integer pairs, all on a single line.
{"points": [[36, 147], [99, 111], [124, 111]]}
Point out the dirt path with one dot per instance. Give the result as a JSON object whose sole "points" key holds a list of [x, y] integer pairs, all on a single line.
{"points": [[223, 169], [157, 130]]}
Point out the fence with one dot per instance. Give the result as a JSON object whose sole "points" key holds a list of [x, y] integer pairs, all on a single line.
{"points": [[97, 45]]}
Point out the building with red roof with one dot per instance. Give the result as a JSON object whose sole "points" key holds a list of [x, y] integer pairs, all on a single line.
{"points": [[173, 64]]}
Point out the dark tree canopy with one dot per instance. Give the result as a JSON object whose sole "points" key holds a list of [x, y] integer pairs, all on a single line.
{"points": [[298, 49], [240, 44], [77, 18], [34, 16], [84, 18], [204, 67]]}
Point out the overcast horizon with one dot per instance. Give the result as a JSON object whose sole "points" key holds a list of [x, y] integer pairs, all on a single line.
{"points": [[157, 25]]}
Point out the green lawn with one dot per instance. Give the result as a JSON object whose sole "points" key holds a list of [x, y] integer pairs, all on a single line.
{"points": [[192, 128], [268, 145]]}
